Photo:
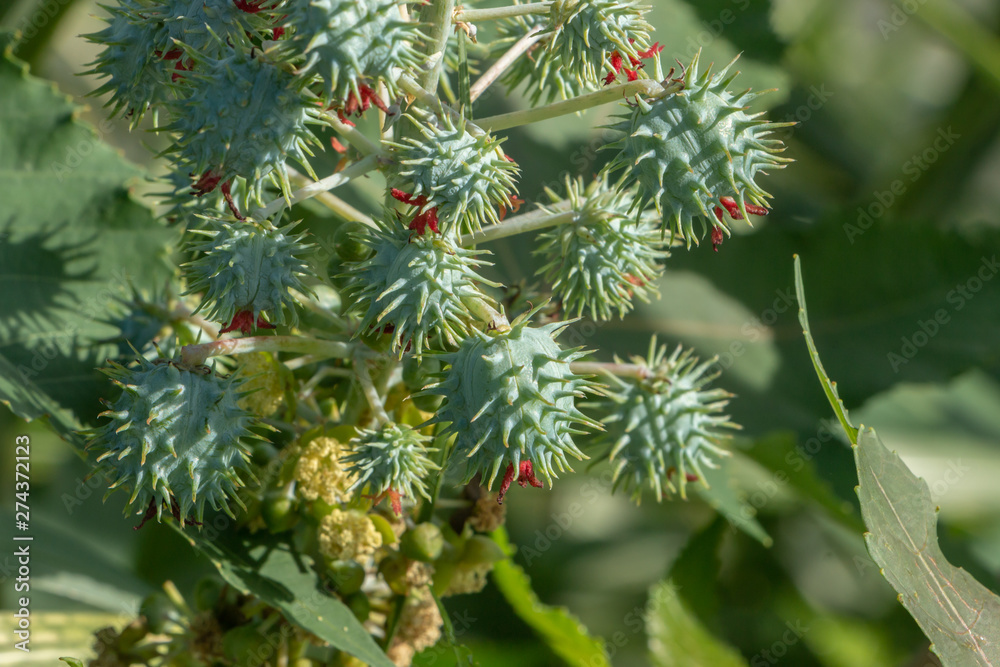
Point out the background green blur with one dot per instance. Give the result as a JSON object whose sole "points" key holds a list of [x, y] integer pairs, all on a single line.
{"points": [[892, 205]]}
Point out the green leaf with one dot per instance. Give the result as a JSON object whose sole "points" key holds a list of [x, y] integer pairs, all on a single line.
{"points": [[559, 629], [287, 582], [723, 498], [959, 615], [677, 639], [72, 662], [73, 239]]}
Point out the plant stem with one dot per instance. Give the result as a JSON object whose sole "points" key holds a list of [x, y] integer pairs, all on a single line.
{"points": [[359, 168], [520, 224], [428, 99], [438, 14], [583, 102], [194, 355], [353, 136], [427, 508], [634, 371], [368, 388], [520, 47], [473, 15]]}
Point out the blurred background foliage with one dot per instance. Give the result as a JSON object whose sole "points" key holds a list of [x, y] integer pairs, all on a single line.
{"points": [[892, 205]]}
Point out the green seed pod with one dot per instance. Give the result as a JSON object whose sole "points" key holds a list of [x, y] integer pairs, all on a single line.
{"points": [[136, 76], [603, 259], [509, 400], [690, 149], [278, 511], [465, 177], [392, 460], [350, 42], [347, 576], [665, 428], [240, 115], [393, 569], [581, 41], [246, 269], [174, 437], [422, 285], [423, 542]]}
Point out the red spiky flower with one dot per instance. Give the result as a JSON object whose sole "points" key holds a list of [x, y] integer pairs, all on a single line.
{"points": [[618, 63]]}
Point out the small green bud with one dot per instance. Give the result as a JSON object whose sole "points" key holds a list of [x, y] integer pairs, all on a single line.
{"points": [[207, 593], [244, 645], [423, 542], [348, 242], [393, 569], [481, 550], [347, 576], [278, 511]]}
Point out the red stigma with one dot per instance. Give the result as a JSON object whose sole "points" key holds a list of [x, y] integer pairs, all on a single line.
{"points": [[525, 476], [244, 321], [717, 238], [421, 221], [515, 205], [360, 102], [632, 73], [208, 182]]}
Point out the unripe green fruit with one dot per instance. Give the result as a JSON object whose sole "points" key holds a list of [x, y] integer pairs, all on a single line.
{"points": [[666, 426], [278, 511], [348, 244], [359, 606], [418, 373], [427, 402], [393, 459], [690, 148], [207, 593], [423, 542], [481, 550], [244, 645], [175, 437], [347, 576], [509, 398], [384, 528]]}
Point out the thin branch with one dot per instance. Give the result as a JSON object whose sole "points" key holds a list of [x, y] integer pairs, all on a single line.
{"points": [[634, 371], [474, 15], [520, 224], [359, 168], [520, 47], [194, 355], [439, 16], [368, 388], [582, 103]]}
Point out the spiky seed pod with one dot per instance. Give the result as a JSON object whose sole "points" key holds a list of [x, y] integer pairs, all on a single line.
{"points": [[582, 40], [349, 42], [509, 400], [240, 116], [142, 51], [174, 439], [667, 426], [690, 149], [422, 285], [246, 269], [603, 259], [391, 460], [465, 177], [137, 75]]}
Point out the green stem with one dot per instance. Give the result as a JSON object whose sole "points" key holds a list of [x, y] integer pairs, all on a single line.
{"points": [[473, 15], [411, 87], [439, 15], [829, 387], [427, 508], [194, 355], [368, 388], [359, 168], [339, 207], [582, 103], [521, 224], [353, 136], [520, 47]]}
